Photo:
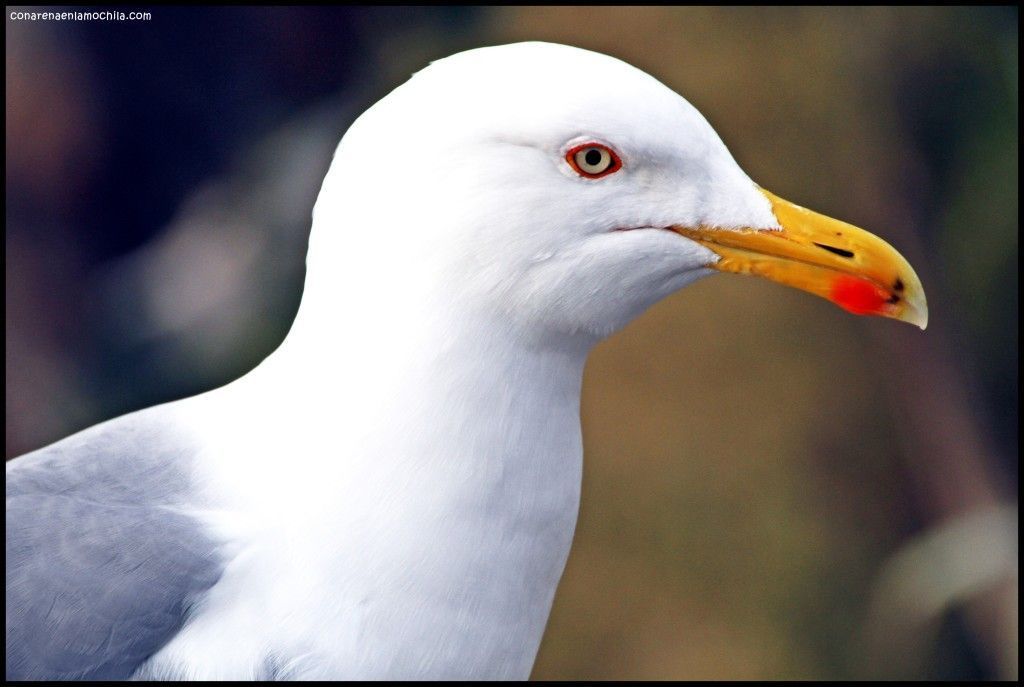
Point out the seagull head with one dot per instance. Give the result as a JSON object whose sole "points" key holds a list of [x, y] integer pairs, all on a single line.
{"points": [[569, 191]]}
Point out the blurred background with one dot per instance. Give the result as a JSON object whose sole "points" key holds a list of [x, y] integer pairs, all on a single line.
{"points": [[773, 488]]}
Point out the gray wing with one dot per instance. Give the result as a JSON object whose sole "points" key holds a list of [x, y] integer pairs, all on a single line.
{"points": [[101, 567]]}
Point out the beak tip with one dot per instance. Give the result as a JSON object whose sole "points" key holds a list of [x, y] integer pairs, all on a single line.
{"points": [[917, 315]]}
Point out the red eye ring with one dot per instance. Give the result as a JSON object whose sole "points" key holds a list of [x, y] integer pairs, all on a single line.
{"points": [[607, 163]]}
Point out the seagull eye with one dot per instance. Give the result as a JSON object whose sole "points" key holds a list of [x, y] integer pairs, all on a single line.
{"points": [[593, 160]]}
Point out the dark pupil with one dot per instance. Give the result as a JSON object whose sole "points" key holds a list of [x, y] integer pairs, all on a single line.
{"points": [[593, 157]]}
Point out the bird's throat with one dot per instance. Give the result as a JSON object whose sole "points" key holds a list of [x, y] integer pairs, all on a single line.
{"points": [[460, 500]]}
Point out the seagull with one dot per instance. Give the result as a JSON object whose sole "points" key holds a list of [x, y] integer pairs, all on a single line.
{"points": [[392, 494]]}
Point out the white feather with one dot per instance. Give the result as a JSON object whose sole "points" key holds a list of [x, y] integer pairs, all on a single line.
{"points": [[398, 484]]}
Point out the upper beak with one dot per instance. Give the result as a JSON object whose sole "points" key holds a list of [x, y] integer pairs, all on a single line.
{"points": [[853, 268]]}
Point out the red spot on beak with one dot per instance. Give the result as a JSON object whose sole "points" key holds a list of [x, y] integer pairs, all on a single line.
{"points": [[858, 296]]}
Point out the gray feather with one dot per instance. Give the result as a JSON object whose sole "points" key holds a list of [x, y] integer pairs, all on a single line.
{"points": [[102, 568]]}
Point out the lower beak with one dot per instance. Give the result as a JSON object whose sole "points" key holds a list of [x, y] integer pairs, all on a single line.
{"points": [[854, 269]]}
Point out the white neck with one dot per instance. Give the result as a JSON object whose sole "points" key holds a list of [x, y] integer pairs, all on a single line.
{"points": [[428, 458]]}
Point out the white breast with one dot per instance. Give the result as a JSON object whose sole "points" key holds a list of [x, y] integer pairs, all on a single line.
{"points": [[426, 545]]}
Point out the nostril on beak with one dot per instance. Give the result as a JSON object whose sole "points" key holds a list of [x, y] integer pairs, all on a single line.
{"points": [[832, 249]]}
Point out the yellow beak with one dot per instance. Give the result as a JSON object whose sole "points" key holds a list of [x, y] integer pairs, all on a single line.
{"points": [[854, 269]]}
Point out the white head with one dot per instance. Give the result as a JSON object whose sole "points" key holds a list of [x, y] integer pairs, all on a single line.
{"points": [[456, 212], [461, 184]]}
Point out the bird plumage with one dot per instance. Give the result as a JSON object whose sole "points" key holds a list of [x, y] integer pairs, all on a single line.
{"points": [[393, 492]]}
